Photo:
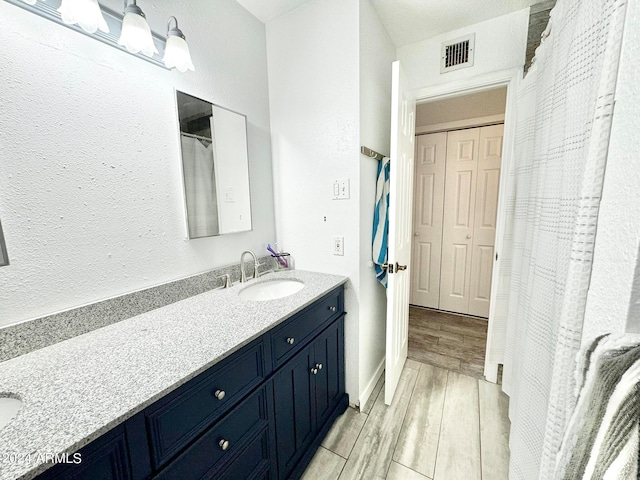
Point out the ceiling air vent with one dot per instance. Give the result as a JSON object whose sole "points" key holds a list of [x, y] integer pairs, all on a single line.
{"points": [[457, 54]]}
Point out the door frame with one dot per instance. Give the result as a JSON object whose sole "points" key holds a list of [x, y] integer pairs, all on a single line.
{"points": [[504, 78]]}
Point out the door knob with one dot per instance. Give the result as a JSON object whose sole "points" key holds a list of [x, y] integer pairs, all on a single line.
{"points": [[291, 340], [219, 394], [468, 237], [319, 366], [314, 371], [417, 234], [399, 267], [224, 444]]}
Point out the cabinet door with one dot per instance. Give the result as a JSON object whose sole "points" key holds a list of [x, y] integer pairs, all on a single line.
{"points": [[294, 404], [104, 459], [329, 377]]}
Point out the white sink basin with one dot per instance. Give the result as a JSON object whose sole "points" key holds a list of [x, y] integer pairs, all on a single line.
{"points": [[271, 290], [9, 407]]}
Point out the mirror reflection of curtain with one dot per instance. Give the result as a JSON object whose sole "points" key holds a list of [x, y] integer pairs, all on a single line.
{"points": [[200, 187]]}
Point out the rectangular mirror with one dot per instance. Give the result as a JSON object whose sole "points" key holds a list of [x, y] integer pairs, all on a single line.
{"points": [[215, 167], [4, 258]]}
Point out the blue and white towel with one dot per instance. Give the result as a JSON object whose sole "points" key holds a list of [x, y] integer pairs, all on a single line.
{"points": [[381, 220]]}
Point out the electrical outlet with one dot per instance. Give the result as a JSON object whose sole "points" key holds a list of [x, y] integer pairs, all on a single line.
{"points": [[338, 245]]}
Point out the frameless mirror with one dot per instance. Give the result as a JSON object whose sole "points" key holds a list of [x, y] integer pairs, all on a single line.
{"points": [[215, 167], [4, 258]]}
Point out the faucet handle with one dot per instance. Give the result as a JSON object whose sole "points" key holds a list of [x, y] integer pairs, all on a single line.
{"points": [[226, 282]]}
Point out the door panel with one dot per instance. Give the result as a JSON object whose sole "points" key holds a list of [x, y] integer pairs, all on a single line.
{"points": [[294, 410], [427, 222], [403, 107], [484, 231], [326, 358], [458, 222]]}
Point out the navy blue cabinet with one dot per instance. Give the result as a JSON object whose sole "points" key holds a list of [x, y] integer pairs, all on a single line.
{"points": [[107, 458], [259, 414], [294, 410], [308, 390]]}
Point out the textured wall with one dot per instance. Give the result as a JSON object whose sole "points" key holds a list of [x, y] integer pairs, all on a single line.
{"points": [[377, 52], [90, 187], [314, 98], [500, 45]]}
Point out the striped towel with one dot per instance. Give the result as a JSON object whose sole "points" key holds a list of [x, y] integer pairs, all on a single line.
{"points": [[603, 435], [381, 220]]}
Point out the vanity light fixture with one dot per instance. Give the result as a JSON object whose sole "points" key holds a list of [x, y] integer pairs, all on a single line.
{"points": [[176, 52], [85, 13], [136, 34], [128, 31]]}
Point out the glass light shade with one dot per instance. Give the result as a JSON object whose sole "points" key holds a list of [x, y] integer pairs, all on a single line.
{"points": [[85, 13], [136, 35], [177, 55]]}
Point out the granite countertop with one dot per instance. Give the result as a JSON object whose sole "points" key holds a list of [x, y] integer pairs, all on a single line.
{"points": [[76, 390]]}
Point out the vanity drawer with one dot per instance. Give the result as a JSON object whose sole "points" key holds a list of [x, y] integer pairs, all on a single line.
{"points": [[181, 416], [231, 440], [297, 331]]}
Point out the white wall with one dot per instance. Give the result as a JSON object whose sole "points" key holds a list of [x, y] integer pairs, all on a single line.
{"points": [[466, 107], [377, 52], [500, 44], [313, 63], [614, 293], [91, 191]]}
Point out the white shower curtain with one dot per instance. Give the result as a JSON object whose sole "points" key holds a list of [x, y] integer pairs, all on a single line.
{"points": [[563, 123], [200, 188]]}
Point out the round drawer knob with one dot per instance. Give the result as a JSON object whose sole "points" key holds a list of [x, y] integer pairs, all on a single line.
{"points": [[291, 340], [314, 371], [332, 308], [224, 444], [319, 366], [219, 394]]}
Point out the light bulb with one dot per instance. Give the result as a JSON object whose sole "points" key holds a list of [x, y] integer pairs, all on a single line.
{"points": [[85, 13], [176, 51], [136, 34]]}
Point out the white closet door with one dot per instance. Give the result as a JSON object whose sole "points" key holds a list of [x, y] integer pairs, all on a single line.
{"points": [[431, 158], [458, 224], [486, 212]]}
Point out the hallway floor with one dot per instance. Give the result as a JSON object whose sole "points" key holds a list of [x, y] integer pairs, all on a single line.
{"points": [[448, 340], [442, 425]]}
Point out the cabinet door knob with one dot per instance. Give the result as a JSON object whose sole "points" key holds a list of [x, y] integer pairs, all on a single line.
{"points": [[219, 394], [291, 340], [314, 371], [468, 237], [319, 366], [332, 308], [224, 444]]}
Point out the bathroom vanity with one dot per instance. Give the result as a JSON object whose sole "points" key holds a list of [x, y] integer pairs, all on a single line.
{"points": [[255, 408]]}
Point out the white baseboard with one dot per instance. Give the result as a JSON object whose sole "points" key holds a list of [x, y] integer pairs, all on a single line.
{"points": [[491, 372], [366, 393]]}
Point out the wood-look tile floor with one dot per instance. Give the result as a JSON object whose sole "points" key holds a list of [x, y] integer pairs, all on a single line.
{"points": [[448, 340], [442, 425]]}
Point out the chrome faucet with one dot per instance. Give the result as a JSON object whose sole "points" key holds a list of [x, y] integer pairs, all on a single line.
{"points": [[243, 275]]}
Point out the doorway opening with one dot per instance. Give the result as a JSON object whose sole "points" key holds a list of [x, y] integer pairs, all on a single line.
{"points": [[459, 145]]}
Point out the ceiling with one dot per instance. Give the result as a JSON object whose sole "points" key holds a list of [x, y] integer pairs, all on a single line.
{"points": [[409, 21]]}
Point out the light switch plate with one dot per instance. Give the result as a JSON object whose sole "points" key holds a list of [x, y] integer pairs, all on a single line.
{"points": [[341, 189]]}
